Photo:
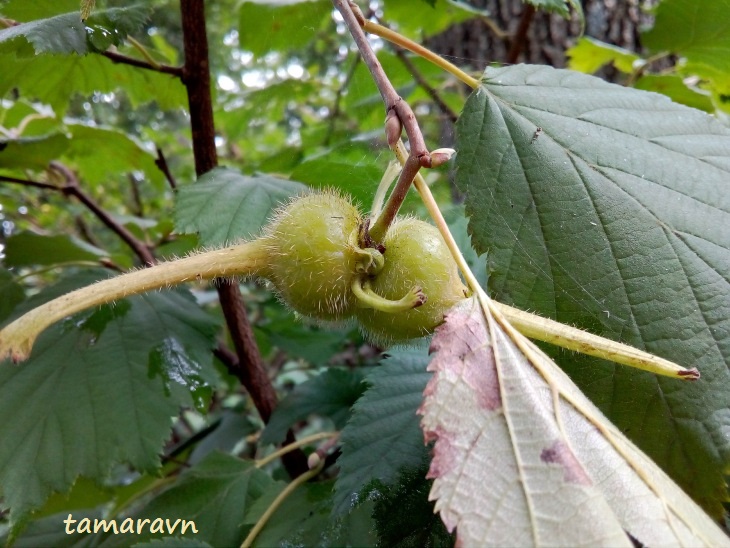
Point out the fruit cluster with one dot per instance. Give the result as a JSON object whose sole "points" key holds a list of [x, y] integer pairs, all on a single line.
{"points": [[318, 268], [316, 255]]}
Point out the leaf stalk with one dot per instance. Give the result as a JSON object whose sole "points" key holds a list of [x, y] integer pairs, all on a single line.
{"points": [[248, 259]]}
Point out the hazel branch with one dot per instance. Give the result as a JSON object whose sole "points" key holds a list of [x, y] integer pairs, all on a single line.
{"points": [[399, 115], [161, 163], [72, 188], [520, 38], [119, 58], [26, 182], [196, 78]]}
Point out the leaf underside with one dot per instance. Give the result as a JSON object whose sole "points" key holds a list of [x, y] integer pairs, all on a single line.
{"points": [[608, 208], [522, 458]]}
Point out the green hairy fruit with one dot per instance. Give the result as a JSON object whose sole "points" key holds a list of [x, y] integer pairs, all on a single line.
{"points": [[313, 257], [416, 256], [311, 252]]}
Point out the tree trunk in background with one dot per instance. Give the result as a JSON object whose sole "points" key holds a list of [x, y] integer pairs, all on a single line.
{"points": [[545, 39], [474, 43]]}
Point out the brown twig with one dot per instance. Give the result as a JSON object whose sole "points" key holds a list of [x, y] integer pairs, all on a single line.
{"points": [[161, 163], [396, 108], [136, 196], [338, 99], [428, 88], [126, 60], [196, 77], [520, 37], [71, 187], [26, 182]]}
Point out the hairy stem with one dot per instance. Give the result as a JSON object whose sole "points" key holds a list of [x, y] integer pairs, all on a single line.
{"points": [[248, 259], [369, 299], [418, 49]]}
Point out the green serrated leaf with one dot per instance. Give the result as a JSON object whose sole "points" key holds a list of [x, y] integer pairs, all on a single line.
{"points": [[674, 87], [383, 436], [63, 34], [67, 34], [330, 394], [56, 79], [403, 514], [11, 294], [280, 26], [214, 494], [110, 27], [232, 427], [589, 55], [100, 152], [303, 519], [699, 31], [27, 249], [50, 532], [226, 207], [66, 412], [418, 21], [339, 169], [22, 10], [612, 217], [270, 102], [32, 152], [313, 343]]}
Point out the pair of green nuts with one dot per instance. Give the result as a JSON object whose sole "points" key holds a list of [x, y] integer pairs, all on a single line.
{"points": [[319, 270]]}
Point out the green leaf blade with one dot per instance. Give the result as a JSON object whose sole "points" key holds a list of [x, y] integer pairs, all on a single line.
{"points": [[27, 249], [92, 396], [215, 495], [280, 26], [66, 34], [614, 217], [330, 394], [699, 31], [383, 438], [226, 206]]}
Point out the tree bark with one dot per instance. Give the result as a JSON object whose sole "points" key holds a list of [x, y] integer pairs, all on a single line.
{"points": [[546, 36]]}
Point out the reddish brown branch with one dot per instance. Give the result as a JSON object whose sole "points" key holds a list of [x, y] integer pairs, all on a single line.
{"points": [[419, 155], [196, 77], [520, 37], [125, 60], [161, 163], [71, 187], [428, 88], [26, 182]]}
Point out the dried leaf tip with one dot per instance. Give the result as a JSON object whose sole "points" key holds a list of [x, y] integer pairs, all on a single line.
{"points": [[689, 374]]}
